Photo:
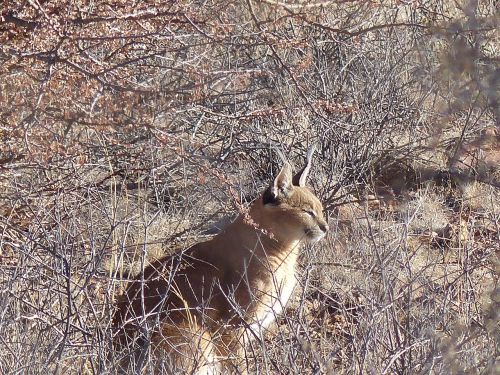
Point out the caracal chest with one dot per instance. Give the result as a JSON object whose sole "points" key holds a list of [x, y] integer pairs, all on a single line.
{"points": [[275, 294]]}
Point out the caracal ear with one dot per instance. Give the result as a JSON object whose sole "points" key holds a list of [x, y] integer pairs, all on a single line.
{"points": [[300, 178], [283, 182]]}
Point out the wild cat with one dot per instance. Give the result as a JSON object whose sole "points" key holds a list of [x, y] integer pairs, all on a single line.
{"points": [[194, 311]]}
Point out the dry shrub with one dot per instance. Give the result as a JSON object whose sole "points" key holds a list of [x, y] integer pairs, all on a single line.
{"points": [[130, 130]]}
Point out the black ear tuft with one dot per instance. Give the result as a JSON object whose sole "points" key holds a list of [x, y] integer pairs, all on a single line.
{"points": [[269, 197]]}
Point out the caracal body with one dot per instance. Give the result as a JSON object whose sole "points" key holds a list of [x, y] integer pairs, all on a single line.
{"points": [[196, 309]]}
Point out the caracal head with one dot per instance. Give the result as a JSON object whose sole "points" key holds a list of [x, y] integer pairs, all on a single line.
{"points": [[290, 210]]}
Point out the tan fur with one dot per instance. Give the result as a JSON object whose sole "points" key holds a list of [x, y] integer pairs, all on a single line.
{"points": [[198, 308]]}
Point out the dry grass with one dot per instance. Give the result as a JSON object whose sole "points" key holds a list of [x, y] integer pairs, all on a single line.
{"points": [[129, 131]]}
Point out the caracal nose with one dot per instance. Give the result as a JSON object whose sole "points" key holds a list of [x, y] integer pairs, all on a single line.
{"points": [[323, 227]]}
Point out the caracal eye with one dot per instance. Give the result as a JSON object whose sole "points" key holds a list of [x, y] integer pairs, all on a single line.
{"points": [[310, 213]]}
